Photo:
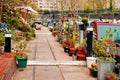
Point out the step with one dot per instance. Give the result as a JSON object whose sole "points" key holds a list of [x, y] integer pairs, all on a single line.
{"points": [[54, 63]]}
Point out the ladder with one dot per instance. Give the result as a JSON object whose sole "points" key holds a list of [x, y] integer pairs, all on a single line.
{"points": [[1, 6]]}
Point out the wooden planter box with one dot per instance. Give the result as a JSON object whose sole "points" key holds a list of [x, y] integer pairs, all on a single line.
{"points": [[7, 66]]}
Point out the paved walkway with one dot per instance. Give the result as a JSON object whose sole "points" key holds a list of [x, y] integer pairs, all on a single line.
{"points": [[47, 49]]}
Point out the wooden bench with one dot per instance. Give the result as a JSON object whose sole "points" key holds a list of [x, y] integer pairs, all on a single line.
{"points": [[7, 66]]}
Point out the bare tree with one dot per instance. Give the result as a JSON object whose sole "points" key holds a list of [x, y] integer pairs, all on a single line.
{"points": [[1, 6]]}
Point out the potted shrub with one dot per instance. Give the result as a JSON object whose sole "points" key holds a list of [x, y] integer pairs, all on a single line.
{"points": [[67, 44], [21, 54], [2, 42], [81, 50], [54, 33], [93, 70], [104, 49], [21, 59], [81, 53]]}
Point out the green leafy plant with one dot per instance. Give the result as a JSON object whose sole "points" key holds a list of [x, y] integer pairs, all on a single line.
{"points": [[85, 21], [75, 37], [105, 48], [21, 50], [30, 34], [2, 39]]}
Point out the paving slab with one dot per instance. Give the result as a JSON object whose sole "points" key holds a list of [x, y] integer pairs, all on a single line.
{"points": [[48, 73], [47, 49], [24, 74], [76, 73]]}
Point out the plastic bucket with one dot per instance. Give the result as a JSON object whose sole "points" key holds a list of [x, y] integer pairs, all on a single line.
{"points": [[90, 61], [22, 62]]}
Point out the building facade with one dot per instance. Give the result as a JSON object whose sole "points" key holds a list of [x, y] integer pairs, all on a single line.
{"points": [[46, 4], [69, 5], [117, 4]]}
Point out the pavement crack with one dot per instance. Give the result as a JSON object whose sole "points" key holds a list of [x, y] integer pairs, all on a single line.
{"points": [[51, 48], [34, 68], [35, 52], [61, 73]]}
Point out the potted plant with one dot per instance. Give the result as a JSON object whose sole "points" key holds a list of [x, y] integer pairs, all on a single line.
{"points": [[21, 54], [104, 49], [94, 69], [54, 33], [67, 44], [81, 50], [2, 42]]}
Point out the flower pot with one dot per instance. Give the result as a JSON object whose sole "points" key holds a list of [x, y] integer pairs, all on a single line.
{"points": [[66, 49], [90, 69], [117, 69], [72, 51], [90, 61], [22, 62], [74, 57], [110, 78], [103, 67], [81, 57], [94, 72]]}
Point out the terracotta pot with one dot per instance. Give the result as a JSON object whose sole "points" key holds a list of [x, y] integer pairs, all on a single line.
{"points": [[81, 57], [72, 51], [110, 78]]}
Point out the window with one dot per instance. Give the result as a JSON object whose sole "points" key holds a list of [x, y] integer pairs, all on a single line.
{"points": [[35, 0], [40, 6], [41, 3]]}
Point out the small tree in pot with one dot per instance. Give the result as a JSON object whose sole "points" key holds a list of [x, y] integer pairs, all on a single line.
{"points": [[104, 49], [21, 54]]}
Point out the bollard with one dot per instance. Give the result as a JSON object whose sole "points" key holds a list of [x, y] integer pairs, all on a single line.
{"points": [[89, 41], [7, 47], [81, 28]]}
